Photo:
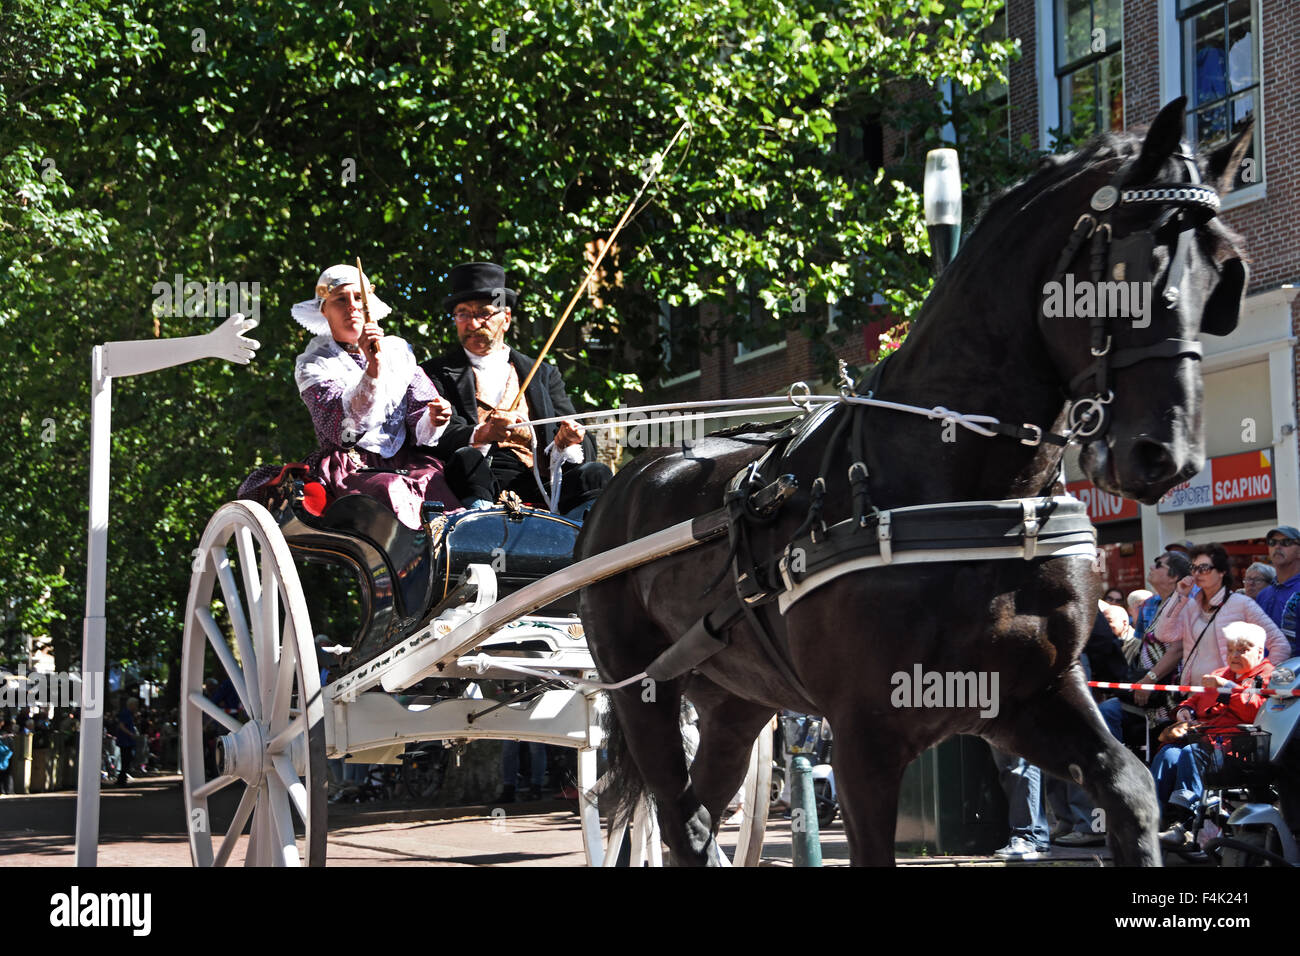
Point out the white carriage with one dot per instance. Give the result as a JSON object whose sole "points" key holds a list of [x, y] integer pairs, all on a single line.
{"points": [[251, 689]]}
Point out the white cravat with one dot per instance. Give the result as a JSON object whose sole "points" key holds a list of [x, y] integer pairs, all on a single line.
{"points": [[493, 374]]}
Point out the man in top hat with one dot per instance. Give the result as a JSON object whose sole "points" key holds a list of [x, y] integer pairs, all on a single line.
{"points": [[487, 453], [1284, 554]]}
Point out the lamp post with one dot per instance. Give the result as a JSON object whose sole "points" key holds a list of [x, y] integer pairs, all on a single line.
{"points": [[108, 361], [942, 205]]}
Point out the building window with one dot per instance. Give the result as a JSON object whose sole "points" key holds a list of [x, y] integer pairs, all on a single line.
{"points": [[1221, 76], [680, 341], [763, 332], [1090, 66]]}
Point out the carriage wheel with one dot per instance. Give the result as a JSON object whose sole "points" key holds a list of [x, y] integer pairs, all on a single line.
{"points": [[247, 627], [643, 833]]}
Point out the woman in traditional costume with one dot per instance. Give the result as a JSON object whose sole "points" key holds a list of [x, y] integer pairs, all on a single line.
{"points": [[375, 410]]}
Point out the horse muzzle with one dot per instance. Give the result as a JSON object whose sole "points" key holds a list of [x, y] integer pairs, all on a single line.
{"points": [[1142, 467]]}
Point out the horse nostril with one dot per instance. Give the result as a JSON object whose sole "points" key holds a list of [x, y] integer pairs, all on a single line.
{"points": [[1152, 461]]}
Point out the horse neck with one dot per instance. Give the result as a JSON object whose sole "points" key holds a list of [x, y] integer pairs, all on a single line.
{"points": [[975, 349]]}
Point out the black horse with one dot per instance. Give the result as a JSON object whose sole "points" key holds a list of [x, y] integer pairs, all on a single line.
{"points": [[983, 344]]}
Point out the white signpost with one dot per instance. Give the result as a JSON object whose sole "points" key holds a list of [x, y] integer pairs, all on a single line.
{"points": [[109, 361]]}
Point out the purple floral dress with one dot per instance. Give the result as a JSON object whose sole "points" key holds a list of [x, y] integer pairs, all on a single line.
{"points": [[339, 469]]}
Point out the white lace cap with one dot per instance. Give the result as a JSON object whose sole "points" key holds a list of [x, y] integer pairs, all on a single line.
{"points": [[309, 315]]}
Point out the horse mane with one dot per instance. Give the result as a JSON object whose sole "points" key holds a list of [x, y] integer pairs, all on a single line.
{"points": [[1052, 174], [1055, 171]]}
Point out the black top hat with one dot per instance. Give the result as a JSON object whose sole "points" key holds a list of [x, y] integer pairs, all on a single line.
{"points": [[479, 280]]}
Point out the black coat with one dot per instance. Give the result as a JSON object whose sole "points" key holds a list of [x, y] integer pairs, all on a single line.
{"points": [[547, 398]]}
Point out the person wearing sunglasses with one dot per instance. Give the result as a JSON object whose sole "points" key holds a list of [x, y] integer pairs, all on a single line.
{"points": [[1256, 578], [1197, 621], [1284, 554]]}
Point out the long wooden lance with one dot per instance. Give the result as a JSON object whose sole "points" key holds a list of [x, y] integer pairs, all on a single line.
{"points": [[627, 214], [365, 307]]}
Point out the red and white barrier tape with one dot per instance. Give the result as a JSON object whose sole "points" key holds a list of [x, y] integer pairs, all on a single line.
{"points": [[1188, 688]]}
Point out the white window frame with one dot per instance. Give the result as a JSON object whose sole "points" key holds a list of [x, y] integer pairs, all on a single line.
{"points": [[1170, 37], [1049, 88], [744, 355]]}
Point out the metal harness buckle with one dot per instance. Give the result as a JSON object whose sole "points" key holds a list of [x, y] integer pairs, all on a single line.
{"points": [[883, 537], [1030, 527]]}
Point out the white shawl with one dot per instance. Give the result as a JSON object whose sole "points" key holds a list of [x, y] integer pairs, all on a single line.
{"points": [[375, 406]]}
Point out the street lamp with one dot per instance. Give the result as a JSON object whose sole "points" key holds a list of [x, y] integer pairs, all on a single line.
{"points": [[942, 205]]}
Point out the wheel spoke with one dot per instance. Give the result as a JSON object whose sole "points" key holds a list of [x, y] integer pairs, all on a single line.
{"points": [[289, 777], [257, 832], [216, 713], [235, 608], [248, 571], [271, 626], [213, 785], [280, 742], [282, 693], [246, 804], [286, 845], [225, 655]]}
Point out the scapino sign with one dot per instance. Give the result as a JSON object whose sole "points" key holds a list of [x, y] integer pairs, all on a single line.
{"points": [[1231, 480]]}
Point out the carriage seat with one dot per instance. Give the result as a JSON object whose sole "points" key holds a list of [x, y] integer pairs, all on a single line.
{"points": [[404, 573]]}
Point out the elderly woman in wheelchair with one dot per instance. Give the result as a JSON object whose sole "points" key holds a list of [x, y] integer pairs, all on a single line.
{"points": [[1229, 698]]}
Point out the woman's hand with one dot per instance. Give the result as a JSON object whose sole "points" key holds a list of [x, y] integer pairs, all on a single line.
{"points": [[1185, 585], [439, 411], [372, 347]]}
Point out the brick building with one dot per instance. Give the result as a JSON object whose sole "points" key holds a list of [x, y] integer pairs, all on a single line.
{"points": [[1231, 58], [1091, 65]]}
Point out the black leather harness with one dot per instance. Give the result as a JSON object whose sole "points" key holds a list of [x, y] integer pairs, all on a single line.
{"points": [[1029, 529]]}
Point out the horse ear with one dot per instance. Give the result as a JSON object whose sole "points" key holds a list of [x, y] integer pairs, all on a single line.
{"points": [[1223, 307], [1162, 141], [1222, 164]]}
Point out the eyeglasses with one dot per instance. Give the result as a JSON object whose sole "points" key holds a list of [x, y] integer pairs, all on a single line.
{"points": [[1251, 579], [1202, 568], [1284, 542], [464, 315], [1156, 564]]}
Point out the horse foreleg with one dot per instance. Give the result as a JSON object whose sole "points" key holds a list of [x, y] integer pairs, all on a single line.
{"points": [[1063, 734], [867, 780]]}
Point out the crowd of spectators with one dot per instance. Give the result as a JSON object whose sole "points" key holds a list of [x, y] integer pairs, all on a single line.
{"points": [[1195, 629], [146, 743]]}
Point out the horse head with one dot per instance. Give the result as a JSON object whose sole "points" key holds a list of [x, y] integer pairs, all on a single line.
{"points": [[1146, 268]]}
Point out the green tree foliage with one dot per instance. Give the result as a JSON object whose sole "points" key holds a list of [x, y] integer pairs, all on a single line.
{"points": [[223, 141]]}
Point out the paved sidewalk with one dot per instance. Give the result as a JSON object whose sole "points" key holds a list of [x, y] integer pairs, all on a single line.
{"points": [[144, 825]]}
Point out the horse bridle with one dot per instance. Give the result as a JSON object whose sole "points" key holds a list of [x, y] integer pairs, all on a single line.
{"points": [[1128, 259]]}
